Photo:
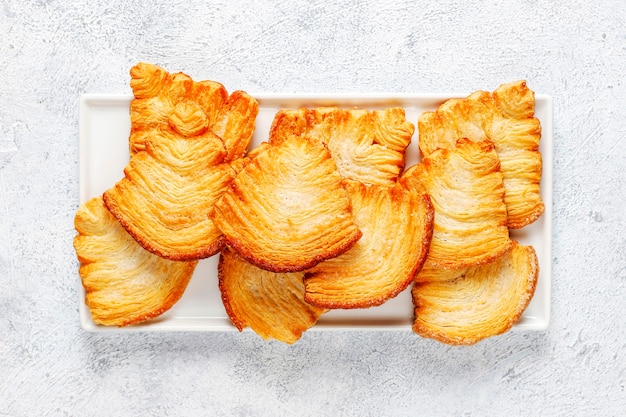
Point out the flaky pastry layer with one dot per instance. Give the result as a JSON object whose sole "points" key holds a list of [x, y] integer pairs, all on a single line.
{"points": [[506, 118], [272, 304], [397, 224], [479, 302], [466, 190], [169, 187], [368, 146], [124, 284], [157, 93], [287, 209]]}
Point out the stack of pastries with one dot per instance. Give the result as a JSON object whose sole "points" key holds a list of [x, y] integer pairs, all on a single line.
{"points": [[322, 215]]}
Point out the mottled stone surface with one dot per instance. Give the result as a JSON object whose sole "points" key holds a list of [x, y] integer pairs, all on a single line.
{"points": [[53, 51]]}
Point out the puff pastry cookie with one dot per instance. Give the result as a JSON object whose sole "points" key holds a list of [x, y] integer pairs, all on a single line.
{"points": [[158, 92], [397, 224], [287, 209], [368, 146], [479, 302], [124, 283], [466, 190], [506, 118], [271, 304], [171, 185]]}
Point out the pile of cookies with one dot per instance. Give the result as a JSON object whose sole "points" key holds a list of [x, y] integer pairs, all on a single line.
{"points": [[322, 215]]}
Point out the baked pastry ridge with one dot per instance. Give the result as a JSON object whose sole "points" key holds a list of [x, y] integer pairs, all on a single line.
{"points": [[124, 284], [397, 224], [287, 209], [158, 92]]}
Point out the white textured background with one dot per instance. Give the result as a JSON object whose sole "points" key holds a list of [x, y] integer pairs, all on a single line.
{"points": [[53, 51]]}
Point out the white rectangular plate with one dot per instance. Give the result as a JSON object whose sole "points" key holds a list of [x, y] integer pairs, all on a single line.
{"points": [[104, 129]]}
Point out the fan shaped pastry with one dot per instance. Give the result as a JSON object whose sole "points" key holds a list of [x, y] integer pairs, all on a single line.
{"points": [[157, 93], [287, 209], [171, 185], [368, 146], [506, 118], [480, 302], [124, 284], [466, 190], [397, 224], [271, 304]]}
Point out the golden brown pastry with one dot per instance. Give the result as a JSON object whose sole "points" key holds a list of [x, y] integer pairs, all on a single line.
{"points": [[368, 146], [124, 283], [287, 209], [466, 190], [506, 118], [397, 224], [434, 274], [171, 185], [271, 304], [480, 302], [158, 92]]}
